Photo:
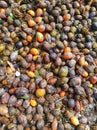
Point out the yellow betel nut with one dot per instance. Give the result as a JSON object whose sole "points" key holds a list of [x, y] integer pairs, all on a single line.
{"points": [[33, 102], [34, 51], [74, 121], [40, 92], [31, 12], [30, 74], [85, 74]]}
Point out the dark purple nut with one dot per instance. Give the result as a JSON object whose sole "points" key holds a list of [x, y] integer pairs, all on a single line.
{"points": [[38, 79], [12, 101], [5, 98], [76, 4], [11, 28], [22, 119], [88, 45], [71, 73], [52, 81], [71, 103], [79, 90], [64, 36], [3, 4], [60, 19], [39, 109], [21, 91], [46, 58], [41, 100], [16, 82], [77, 106], [50, 117], [26, 104], [40, 124], [72, 63], [89, 58], [2, 70], [24, 63], [29, 58], [50, 89], [39, 60], [66, 28], [43, 83], [60, 44], [12, 111], [2, 91], [58, 61], [46, 45], [53, 56], [32, 88], [89, 68], [25, 78], [75, 81], [29, 110], [28, 30], [71, 90], [83, 120], [7, 39]]}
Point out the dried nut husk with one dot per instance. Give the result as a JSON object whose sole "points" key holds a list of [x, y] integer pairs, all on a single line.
{"points": [[63, 72], [2, 47], [3, 110]]}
